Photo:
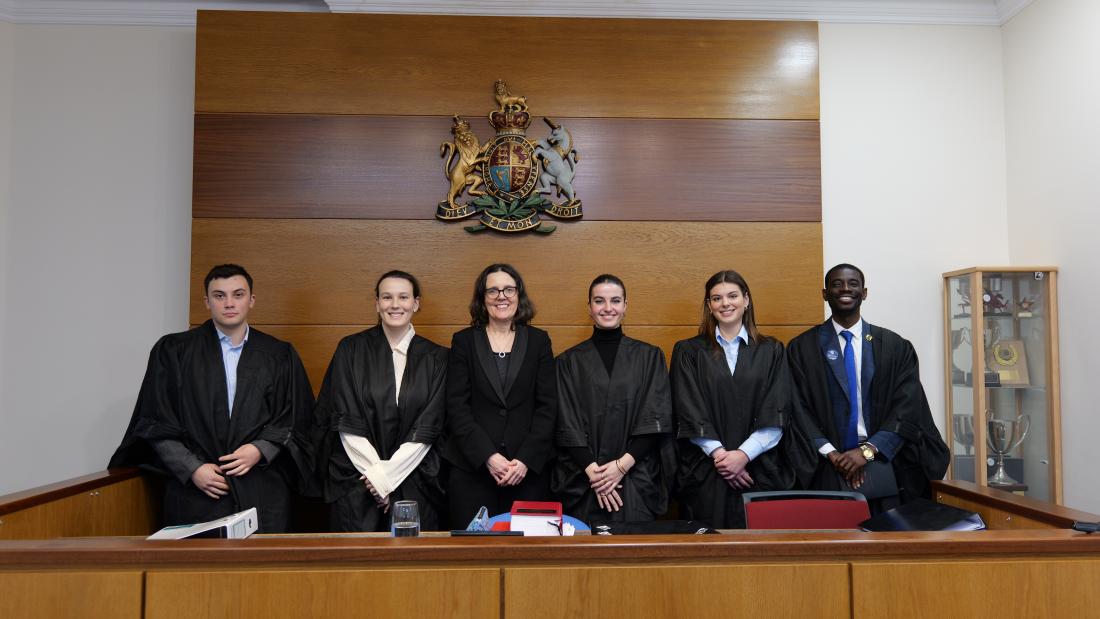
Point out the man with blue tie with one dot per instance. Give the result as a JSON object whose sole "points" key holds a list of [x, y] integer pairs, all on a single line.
{"points": [[224, 413], [858, 399]]}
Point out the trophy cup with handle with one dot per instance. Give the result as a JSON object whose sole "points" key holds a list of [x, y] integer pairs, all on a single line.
{"points": [[1005, 435], [963, 426]]}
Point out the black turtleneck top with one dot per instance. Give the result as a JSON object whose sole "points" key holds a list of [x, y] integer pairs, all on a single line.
{"points": [[607, 344]]}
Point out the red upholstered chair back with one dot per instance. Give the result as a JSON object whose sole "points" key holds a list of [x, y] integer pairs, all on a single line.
{"points": [[805, 510]]}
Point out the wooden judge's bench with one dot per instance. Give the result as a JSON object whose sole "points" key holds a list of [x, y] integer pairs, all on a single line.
{"points": [[75, 549]]}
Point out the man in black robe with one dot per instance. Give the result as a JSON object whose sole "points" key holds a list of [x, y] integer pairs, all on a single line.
{"points": [[614, 410], [887, 418], [224, 411]]}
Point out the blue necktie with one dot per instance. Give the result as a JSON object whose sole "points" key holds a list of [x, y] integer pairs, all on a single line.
{"points": [[851, 438]]}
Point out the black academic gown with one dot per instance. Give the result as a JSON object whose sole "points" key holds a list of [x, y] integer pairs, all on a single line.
{"points": [[358, 398], [894, 397], [183, 403], [486, 415], [711, 403], [602, 413]]}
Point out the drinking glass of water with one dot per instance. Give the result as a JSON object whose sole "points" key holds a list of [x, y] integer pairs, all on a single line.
{"points": [[406, 519]]}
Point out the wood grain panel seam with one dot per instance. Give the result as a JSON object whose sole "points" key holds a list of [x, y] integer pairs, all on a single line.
{"points": [[564, 225], [502, 593], [489, 107]]}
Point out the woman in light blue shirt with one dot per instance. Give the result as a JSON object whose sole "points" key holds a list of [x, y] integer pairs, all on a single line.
{"points": [[731, 397]]}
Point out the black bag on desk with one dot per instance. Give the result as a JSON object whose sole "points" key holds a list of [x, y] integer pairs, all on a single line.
{"points": [[924, 515]]}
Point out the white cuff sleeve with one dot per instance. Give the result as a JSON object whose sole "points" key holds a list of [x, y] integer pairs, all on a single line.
{"points": [[760, 441], [384, 475], [708, 445]]}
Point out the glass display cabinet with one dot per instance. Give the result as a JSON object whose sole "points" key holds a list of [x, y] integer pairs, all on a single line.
{"points": [[1001, 377]]}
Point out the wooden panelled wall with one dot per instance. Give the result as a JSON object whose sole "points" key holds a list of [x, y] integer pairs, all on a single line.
{"points": [[316, 165]]}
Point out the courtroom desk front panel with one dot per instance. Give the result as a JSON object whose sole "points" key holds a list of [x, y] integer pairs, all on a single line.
{"points": [[116, 502], [819, 574], [87, 593], [1005, 510]]}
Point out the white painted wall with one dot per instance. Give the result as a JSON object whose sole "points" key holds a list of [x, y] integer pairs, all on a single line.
{"points": [[1052, 95], [913, 169], [7, 74], [98, 235]]}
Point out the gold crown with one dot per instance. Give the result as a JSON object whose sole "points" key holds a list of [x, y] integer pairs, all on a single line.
{"points": [[509, 122], [459, 124]]}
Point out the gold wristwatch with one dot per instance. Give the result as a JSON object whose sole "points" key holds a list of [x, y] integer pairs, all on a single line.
{"points": [[867, 450]]}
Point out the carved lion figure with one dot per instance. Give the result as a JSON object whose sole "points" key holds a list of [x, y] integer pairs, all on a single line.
{"points": [[460, 158], [506, 100]]}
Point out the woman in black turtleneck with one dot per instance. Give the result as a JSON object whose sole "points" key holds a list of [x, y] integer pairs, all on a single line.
{"points": [[614, 419]]}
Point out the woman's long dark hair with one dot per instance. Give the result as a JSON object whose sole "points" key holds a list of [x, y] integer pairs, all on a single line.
{"points": [[708, 323], [525, 310]]}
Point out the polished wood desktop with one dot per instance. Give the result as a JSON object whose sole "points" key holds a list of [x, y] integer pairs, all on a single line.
{"points": [[1029, 564]]}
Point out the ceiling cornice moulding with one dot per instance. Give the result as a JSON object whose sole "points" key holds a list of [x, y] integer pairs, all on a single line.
{"points": [[135, 12], [954, 12], [1007, 9], [182, 12], [7, 11]]}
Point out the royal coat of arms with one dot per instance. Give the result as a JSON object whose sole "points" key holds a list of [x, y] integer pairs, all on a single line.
{"points": [[511, 180]]}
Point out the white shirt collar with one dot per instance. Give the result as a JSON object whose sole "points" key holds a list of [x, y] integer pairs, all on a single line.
{"points": [[403, 345], [856, 329], [228, 340], [742, 335]]}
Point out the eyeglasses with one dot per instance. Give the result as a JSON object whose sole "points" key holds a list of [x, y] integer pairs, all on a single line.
{"points": [[507, 291]]}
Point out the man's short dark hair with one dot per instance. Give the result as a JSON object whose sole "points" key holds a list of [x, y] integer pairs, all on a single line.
{"points": [[845, 265], [225, 271]]}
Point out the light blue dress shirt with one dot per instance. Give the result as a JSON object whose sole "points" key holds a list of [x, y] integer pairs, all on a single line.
{"points": [[759, 441], [231, 356]]}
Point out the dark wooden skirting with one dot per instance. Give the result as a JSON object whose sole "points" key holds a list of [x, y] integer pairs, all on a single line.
{"points": [[1041, 511], [385, 167], [32, 497]]}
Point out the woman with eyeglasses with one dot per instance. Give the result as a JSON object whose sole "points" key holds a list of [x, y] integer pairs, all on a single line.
{"points": [[501, 401], [731, 397], [614, 419], [380, 411]]}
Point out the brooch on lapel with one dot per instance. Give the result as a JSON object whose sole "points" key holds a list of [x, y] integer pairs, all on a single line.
{"points": [[868, 337], [832, 355]]}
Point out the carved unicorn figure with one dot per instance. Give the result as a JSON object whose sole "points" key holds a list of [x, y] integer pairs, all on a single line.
{"points": [[559, 160]]}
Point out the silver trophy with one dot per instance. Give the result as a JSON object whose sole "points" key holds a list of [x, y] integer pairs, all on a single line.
{"points": [[1005, 435], [963, 426]]}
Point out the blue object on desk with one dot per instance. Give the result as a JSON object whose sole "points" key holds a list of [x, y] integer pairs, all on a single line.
{"points": [[507, 517]]}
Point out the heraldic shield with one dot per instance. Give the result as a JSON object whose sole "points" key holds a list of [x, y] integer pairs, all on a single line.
{"points": [[511, 180]]}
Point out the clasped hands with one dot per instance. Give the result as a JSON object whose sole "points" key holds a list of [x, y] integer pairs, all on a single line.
{"points": [[382, 501], [850, 465], [209, 477], [504, 471], [605, 480], [731, 466]]}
